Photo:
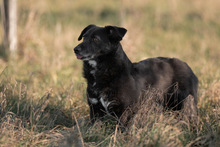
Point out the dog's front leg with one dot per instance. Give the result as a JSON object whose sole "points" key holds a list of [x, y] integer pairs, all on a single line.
{"points": [[92, 115], [96, 113]]}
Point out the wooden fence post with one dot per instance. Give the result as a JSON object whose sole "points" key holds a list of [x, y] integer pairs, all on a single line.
{"points": [[9, 19]]}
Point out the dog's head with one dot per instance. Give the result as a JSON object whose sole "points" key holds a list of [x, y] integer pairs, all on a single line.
{"points": [[98, 41]]}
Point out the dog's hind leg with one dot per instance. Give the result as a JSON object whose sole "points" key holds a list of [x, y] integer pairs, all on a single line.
{"points": [[190, 110]]}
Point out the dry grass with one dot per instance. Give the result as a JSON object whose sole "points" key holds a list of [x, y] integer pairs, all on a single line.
{"points": [[42, 92]]}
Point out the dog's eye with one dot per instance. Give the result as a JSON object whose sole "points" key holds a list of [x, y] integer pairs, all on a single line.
{"points": [[96, 40]]}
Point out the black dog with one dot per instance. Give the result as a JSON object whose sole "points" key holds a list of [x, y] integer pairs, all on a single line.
{"points": [[115, 83]]}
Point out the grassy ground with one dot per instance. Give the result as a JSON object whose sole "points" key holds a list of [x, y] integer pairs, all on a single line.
{"points": [[42, 92]]}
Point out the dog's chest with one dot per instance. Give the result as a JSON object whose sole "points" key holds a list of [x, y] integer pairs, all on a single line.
{"points": [[98, 92], [106, 104], [100, 99], [92, 72]]}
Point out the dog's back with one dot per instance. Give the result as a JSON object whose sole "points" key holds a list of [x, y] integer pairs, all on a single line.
{"points": [[171, 76]]}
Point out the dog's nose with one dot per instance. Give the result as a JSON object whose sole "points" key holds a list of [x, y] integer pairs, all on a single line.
{"points": [[77, 49]]}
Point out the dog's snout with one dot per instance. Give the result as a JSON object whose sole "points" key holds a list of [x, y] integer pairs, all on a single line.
{"points": [[77, 49]]}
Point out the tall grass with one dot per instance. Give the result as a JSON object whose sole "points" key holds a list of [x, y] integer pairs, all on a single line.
{"points": [[42, 92]]}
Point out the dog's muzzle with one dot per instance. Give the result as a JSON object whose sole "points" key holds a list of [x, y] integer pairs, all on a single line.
{"points": [[77, 52]]}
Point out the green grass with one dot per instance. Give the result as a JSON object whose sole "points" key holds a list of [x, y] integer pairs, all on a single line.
{"points": [[43, 93]]}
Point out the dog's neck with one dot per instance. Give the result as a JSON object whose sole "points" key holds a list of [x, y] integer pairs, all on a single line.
{"points": [[107, 67]]}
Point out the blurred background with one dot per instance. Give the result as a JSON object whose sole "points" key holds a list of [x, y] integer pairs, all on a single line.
{"points": [[47, 31]]}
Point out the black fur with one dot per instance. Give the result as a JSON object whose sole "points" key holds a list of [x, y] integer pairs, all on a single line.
{"points": [[115, 83]]}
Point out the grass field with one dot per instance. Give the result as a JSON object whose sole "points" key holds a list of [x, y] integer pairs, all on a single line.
{"points": [[42, 91]]}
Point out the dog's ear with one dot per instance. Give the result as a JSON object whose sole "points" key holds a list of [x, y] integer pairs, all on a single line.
{"points": [[115, 33], [85, 30]]}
